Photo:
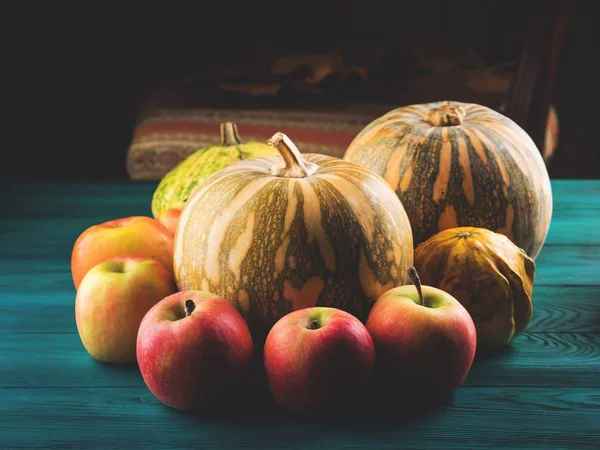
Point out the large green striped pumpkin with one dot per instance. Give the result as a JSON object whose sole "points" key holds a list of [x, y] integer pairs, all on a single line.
{"points": [[276, 234], [460, 164], [175, 187]]}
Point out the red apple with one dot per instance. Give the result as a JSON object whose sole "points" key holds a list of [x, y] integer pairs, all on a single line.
{"points": [[170, 219], [138, 235], [424, 338], [194, 351], [319, 360], [113, 298]]}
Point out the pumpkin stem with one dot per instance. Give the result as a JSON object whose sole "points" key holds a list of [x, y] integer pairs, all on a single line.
{"points": [[229, 134], [414, 278], [294, 165], [189, 307], [445, 115]]}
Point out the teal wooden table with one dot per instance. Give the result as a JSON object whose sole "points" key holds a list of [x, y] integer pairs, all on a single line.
{"points": [[541, 391]]}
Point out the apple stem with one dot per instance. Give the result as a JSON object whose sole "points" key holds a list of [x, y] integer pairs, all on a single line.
{"points": [[414, 278], [314, 324], [189, 307]]}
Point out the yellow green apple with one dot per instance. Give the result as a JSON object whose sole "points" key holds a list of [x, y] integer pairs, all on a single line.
{"points": [[113, 298]]}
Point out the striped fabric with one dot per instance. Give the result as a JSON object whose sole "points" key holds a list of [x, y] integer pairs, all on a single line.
{"points": [[164, 137]]}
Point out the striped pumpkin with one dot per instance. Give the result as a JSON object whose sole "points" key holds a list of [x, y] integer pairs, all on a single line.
{"points": [[456, 164], [280, 233], [176, 186], [488, 274]]}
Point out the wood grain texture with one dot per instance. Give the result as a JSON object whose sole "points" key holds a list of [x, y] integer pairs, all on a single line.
{"points": [[94, 418], [575, 210], [532, 359], [557, 309], [565, 309], [540, 391], [555, 266], [540, 359]]}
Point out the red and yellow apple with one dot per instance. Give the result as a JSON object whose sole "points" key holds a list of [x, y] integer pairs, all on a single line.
{"points": [[113, 298], [319, 360], [170, 219], [137, 235], [194, 351], [424, 338]]}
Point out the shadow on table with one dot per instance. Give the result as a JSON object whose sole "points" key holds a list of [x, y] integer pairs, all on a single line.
{"points": [[380, 409], [488, 353], [376, 415]]}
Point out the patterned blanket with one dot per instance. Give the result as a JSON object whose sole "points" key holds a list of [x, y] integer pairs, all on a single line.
{"points": [[166, 136]]}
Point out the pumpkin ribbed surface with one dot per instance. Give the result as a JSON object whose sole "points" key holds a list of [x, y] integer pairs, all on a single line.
{"points": [[455, 164], [276, 234], [489, 275], [175, 187]]}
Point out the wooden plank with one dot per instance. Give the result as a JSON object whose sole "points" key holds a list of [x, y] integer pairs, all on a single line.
{"points": [[52, 234], [540, 359], [56, 208], [18, 276], [63, 362], [565, 309], [576, 189], [563, 229], [94, 202], [58, 234], [37, 312], [533, 359], [568, 265], [475, 418], [578, 227], [77, 191], [37, 309], [576, 213], [22, 199], [555, 266]]}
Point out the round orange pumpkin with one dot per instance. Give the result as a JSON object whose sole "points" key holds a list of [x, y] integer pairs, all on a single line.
{"points": [[456, 164], [488, 274]]}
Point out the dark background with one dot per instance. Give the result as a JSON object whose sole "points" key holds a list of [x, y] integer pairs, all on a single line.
{"points": [[77, 73]]}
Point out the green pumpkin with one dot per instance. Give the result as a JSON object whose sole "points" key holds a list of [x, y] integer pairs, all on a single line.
{"points": [[281, 233], [176, 186]]}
